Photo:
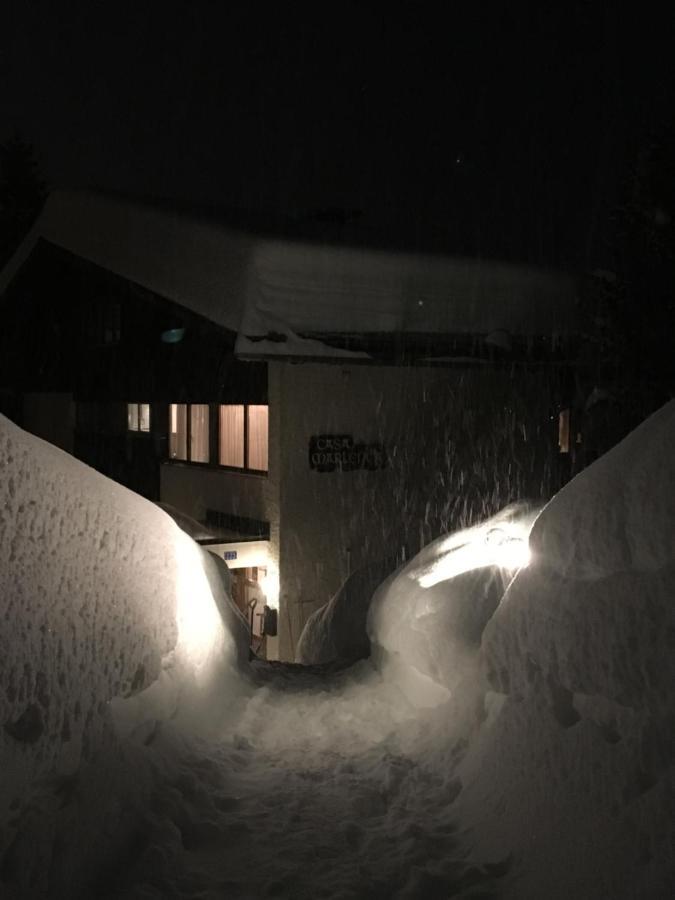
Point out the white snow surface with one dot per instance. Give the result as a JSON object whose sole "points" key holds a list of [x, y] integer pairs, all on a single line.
{"points": [[195, 263], [629, 510], [572, 770], [425, 622], [257, 285], [322, 289], [101, 596], [536, 763], [291, 344], [337, 630], [196, 530]]}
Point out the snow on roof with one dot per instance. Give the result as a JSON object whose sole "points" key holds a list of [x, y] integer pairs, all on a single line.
{"points": [[327, 289], [198, 265], [295, 291]]}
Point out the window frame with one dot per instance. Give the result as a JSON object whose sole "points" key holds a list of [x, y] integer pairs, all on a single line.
{"points": [[245, 469], [138, 429], [214, 439], [564, 431], [188, 435]]}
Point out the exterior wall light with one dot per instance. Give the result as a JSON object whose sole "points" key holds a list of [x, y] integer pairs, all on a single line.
{"points": [[173, 335]]}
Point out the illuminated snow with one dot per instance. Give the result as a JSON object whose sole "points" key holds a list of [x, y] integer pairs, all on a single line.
{"points": [[197, 616], [505, 546], [542, 768], [425, 623], [102, 598]]}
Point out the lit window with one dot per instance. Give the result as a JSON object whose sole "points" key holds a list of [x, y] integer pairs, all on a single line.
{"points": [[243, 437], [257, 438], [189, 432], [231, 452], [178, 431], [138, 416], [199, 432], [564, 431], [242, 434], [144, 416]]}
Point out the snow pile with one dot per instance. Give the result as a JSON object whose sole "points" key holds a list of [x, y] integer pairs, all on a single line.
{"points": [[337, 630], [196, 530], [532, 756], [571, 772], [426, 621], [101, 597]]}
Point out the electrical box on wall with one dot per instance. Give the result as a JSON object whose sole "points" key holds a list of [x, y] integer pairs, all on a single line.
{"points": [[270, 622]]}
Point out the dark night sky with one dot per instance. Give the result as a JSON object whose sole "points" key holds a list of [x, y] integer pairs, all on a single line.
{"points": [[501, 129]]}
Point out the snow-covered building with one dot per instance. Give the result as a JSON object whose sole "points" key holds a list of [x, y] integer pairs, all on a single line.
{"points": [[315, 406]]}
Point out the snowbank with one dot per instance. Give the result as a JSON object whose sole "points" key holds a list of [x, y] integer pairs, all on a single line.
{"points": [[544, 768], [102, 596], [426, 621], [571, 775], [625, 506], [337, 630], [190, 526], [553, 728]]}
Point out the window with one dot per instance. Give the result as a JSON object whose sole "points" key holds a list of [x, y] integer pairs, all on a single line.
{"points": [[231, 430], [199, 432], [178, 431], [243, 437], [257, 443], [564, 431], [241, 432], [189, 432], [138, 416]]}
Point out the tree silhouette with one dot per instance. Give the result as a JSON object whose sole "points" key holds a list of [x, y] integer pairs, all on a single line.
{"points": [[629, 307]]}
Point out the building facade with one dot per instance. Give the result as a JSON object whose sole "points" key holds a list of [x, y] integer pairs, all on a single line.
{"points": [[304, 451]]}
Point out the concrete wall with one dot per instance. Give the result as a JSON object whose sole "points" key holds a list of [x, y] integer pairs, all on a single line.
{"points": [[459, 444], [194, 489]]}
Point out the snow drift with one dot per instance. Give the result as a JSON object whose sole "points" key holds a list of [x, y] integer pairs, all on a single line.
{"points": [[337, 630], [533, 758], [569, 768], [426, 621], [102, 597]]}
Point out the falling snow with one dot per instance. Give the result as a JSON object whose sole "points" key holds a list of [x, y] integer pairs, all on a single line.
{"points": [[143, 756]]}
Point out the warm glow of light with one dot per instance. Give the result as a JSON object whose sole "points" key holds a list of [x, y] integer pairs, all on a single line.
{"points": [[200, 628], [511, 550], [504, 545], [269, 585]]}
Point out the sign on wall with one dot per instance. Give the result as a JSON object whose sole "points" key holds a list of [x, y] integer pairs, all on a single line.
{"points": [[340, 453]]}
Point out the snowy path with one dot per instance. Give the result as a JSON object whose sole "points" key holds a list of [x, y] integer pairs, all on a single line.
{"points": [[310, 796]]}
